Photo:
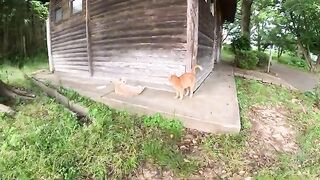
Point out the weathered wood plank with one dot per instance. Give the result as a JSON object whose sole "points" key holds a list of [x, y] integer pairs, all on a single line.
{"points": [[49, 42], [139, 39], [192, 32], [88, 38], [68, 43]]}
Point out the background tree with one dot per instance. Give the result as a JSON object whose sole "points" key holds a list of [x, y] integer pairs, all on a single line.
{"points": [[22, 34], [246, 17], [301, 17], [22, 28]]}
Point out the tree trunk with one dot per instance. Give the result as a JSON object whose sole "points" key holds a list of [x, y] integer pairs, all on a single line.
{"points": [[259, 38], [318, 60], [5, 36], [306, 55], [280, 52], [246, 17]]}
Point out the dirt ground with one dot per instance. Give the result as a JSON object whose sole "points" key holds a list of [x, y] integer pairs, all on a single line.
{"points": [[271, 133]]}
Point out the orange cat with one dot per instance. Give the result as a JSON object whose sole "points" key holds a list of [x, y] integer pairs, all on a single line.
{"points": [[184, 82]]}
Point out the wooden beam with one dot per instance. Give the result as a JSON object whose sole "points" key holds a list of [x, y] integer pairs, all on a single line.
{"points": [[51, 65], [217, 32], [88, 38], [192, 33]]}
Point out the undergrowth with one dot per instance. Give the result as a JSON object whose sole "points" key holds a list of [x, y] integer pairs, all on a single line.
{"points": [[115, 145], [306, 163], [44, 140]]}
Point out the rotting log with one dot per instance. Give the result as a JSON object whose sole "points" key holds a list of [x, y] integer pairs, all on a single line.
{"points": [[7, 91], [53, 93]]}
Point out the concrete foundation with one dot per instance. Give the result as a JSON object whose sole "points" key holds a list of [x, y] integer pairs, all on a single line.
{"points": [[214, 107]]}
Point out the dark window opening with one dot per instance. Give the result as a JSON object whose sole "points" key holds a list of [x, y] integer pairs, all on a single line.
{"points": [[58, 15]]}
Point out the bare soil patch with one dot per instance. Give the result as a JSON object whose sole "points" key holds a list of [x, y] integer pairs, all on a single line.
{"points": [[271, 130]]}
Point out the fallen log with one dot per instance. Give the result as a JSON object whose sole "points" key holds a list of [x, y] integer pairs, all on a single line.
{"points": [[7, 91], [53, 93]]}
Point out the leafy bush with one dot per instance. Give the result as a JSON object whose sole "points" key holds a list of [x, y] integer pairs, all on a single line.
{"points": [[227, 47], [293, 61], [246, 59], [240, 43], [263, 58]]}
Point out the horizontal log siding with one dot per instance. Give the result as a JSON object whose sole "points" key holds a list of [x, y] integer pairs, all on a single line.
{"points": [[205, 40], [68, 37], [140, 40]]}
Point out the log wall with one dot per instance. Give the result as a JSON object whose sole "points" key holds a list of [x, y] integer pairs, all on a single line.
{"points": [[68, 38], [140, 40]]}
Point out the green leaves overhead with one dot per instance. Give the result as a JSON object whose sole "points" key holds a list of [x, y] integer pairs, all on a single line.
{"points": [[21, 27]]}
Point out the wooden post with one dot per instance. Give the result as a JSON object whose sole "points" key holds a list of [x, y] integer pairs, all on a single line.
{"points": [[214, 13], [51, 65], [270, 59], [216, 30], [219, 38], [88, 38], [192, 33]]}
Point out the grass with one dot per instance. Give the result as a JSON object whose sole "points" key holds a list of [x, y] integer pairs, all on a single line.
{"points": [[118, 144], [226, 54], [294, 62], [306, 162], [11, 73], [115, 145]]}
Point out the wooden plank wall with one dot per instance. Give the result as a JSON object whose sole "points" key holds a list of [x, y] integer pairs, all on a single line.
{"points": [[141, 40], [69, 46], [205, 41]]}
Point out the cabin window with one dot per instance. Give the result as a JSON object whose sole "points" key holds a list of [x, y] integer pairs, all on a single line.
{"points": [[76, 6], [58, 15]]}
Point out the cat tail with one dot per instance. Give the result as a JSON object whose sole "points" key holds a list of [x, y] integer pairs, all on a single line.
{"points": [[195, 67]]}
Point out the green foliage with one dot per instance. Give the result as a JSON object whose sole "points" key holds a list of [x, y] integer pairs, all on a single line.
{"points": [[172, 126], [301, 16], [155, 136], [227, 53], [241, 43], [22, 28], [263, 58], [306, 161], [114, 145], [293, 61], [169, 157], [40, 9], [315, 95], [246, 59], [12, 73]]}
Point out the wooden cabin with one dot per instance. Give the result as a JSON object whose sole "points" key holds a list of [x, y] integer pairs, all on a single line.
{"points": [[143, 41]]}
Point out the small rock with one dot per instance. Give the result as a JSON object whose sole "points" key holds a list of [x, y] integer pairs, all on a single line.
{"points": [[241, 173], [194, 141], [186, 160], [183, 147]]}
